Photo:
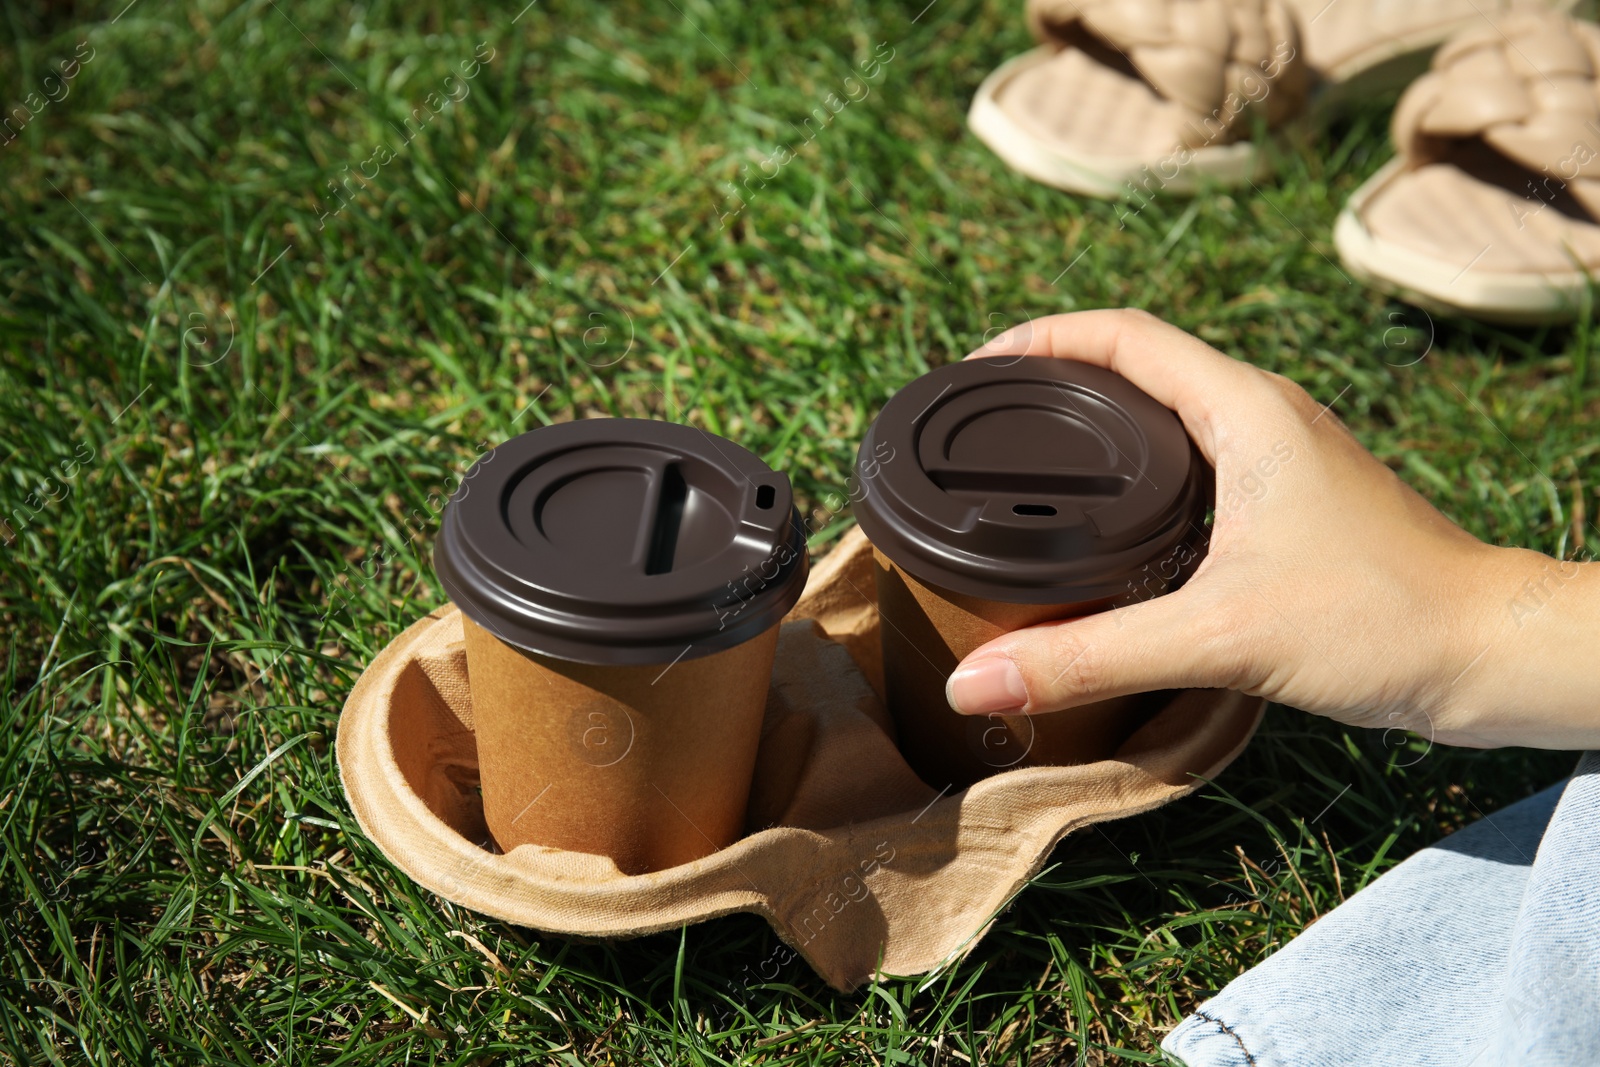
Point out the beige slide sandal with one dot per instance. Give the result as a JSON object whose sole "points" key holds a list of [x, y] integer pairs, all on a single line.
{"points": [[1491, 209], [1130, 96], [1361, 48]]}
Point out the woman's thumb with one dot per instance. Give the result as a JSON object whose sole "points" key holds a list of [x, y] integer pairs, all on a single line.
{"points": [[1169, 642]]}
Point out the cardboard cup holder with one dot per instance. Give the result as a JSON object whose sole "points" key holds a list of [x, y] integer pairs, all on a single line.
{"points": [[641, 712]]}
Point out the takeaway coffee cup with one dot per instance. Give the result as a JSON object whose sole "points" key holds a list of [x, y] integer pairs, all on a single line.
{"points": [[1008, 491], [621, 581]]}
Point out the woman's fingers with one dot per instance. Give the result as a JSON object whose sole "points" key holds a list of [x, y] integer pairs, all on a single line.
{"points": [[1177, 369], [1177, 641]]}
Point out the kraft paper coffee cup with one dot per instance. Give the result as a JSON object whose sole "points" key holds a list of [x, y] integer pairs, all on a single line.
{"points": [[621, 582], [1011, 491]]}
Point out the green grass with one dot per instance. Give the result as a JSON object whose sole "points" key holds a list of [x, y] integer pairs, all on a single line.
{"points": [[246, 420]]}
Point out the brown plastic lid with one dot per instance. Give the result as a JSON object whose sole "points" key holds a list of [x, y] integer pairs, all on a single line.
{"points": [[622, 541], [1031, 480]]}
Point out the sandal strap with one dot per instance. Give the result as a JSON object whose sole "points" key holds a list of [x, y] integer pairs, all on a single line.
{"points": [[1220, 59], [1527, 84]]}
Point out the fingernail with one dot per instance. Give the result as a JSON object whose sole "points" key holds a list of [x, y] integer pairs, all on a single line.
{"points": [[990, 685]]}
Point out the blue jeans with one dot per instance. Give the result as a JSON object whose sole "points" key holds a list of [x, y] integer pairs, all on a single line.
{"points": [[1481, 951]]}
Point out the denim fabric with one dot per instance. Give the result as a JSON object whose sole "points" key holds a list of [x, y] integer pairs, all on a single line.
{"points": [[1481, 951]]}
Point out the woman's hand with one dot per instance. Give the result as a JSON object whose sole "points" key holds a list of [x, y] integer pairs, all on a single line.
{"points": [[1330, 585]]}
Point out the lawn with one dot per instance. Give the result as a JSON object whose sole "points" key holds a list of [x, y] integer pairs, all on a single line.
{"points": [[272, 275]]}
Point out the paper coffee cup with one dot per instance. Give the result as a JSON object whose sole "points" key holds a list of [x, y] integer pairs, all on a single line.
{"points": [[621, 582], [1003, 492]]}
